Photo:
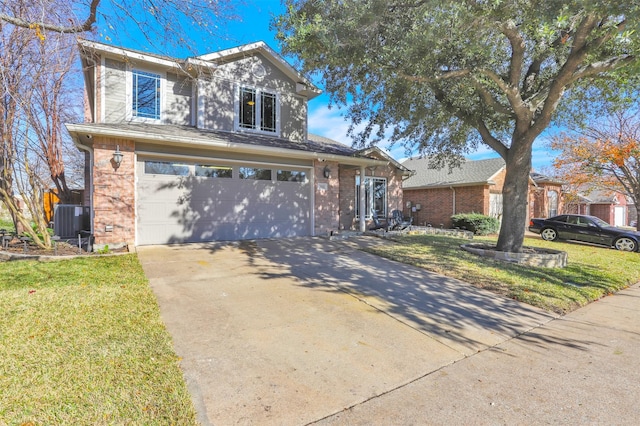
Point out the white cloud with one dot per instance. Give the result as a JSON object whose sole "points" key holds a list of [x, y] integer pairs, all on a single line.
{"points": [[329, 123]]}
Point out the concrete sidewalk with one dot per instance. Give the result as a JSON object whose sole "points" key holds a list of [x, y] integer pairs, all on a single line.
{"points": [[579, 369], [306, 330]]}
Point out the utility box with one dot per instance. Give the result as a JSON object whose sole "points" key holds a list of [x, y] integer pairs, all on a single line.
{"points": [[69, 220]]}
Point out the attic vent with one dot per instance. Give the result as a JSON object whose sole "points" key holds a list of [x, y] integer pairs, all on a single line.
{"points": [[259, 71]]}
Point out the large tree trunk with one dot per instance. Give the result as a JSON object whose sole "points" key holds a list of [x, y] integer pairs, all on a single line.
{"points": [[515, 196]]}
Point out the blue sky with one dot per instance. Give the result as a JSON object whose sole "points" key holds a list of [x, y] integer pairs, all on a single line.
{"points": [[253, 25]]}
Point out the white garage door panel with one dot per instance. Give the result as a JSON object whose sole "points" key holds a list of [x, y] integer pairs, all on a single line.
{"points": [[619, 216], [173, 209]]}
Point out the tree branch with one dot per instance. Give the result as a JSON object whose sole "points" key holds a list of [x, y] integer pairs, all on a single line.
{"points": [[509, 29], [472, 121], [488, 99], [556, 90], [87, 25], [602, 66], [444, 76]]}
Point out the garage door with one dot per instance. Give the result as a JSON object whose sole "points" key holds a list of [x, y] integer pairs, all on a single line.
{"points": [[197, 202], [619, 218]]}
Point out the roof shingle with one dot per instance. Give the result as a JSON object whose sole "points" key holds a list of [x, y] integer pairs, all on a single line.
{"points": [[470, 172]]}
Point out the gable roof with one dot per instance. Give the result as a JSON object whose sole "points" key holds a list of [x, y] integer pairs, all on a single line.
{"points": [[470, 173], [540, 178], [305, 87], [598, 196], [208, 61], [377, 152]]}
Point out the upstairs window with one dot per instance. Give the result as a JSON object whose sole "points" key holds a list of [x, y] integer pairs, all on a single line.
{"points": [[258, 110], [146, 95]]}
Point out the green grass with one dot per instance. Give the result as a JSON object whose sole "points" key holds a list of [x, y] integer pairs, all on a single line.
{"points": [[6, 224], [82, 342], [592, 272]]}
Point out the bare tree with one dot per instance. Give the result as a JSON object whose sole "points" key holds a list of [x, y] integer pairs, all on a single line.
{"points": [[20, 182], [40, 84]]}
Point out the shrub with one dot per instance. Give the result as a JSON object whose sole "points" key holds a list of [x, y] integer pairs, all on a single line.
{"points": [[477, 223]]}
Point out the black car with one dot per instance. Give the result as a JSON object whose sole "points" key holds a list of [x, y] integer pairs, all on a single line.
{"points": [[589, 229]]}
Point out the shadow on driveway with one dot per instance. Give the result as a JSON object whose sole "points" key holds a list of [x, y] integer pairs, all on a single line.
{"points": [[292, 331], [455, 313]]}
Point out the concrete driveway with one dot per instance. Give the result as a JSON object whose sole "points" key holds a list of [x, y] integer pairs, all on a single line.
{"points": [[295, 331]]}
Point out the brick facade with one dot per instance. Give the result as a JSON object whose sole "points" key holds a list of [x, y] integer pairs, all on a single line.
{"points": [[539, 199], [114, 193], [348, 198], [437, 204], [327, 196]]}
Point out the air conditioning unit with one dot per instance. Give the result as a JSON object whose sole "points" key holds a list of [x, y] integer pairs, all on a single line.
{"points": [[69, 220]]}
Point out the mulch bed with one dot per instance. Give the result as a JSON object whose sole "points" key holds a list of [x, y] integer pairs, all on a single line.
{"points": [[62, 249]]}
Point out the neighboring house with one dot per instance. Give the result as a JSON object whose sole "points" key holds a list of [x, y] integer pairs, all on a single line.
{"points": [[612, 207], [545, 196], [633, 213], [215, 147], [432, 196]]}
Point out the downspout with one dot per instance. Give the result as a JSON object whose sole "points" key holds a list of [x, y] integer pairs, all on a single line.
{"points": [[361, 201], [88, 149], [453, 206]]}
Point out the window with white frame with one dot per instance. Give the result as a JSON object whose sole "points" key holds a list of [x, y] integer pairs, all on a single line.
{"points": [[375, 196], [553, 203], [257, 110], [145, 95]]}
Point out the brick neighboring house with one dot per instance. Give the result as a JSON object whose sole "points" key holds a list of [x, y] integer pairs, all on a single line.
{"points": [[216, 147], [545, 196], [432, 196], [612, 207]]}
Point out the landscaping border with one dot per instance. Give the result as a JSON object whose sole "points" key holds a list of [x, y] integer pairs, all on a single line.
{"points": [[532, 256]]}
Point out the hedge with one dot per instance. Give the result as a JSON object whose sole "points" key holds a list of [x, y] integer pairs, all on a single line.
{"points": [[477, 223]]}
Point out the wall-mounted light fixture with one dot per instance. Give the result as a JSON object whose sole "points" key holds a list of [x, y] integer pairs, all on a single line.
{"points": [[117, 156], [326, 172]]}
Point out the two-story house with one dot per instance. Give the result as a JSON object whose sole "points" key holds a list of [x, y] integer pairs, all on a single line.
{"points": [[216, 147]]}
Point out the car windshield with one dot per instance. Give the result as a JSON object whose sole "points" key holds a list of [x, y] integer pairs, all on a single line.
{"points": [[601, 223]]}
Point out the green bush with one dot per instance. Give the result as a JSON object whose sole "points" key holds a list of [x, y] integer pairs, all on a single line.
{"points": [[477, 223]]}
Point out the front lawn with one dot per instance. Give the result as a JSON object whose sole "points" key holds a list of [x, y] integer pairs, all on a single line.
{"points": [[593, 272], [81, 342]]}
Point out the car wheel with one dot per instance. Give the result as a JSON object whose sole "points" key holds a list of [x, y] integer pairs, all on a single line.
{"points": [[549, 234], [625, 244]]}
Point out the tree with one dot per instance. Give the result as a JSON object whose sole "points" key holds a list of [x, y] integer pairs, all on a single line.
{"points": [[443, 77], [40, 83], [604, 155], [162, 23]]}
